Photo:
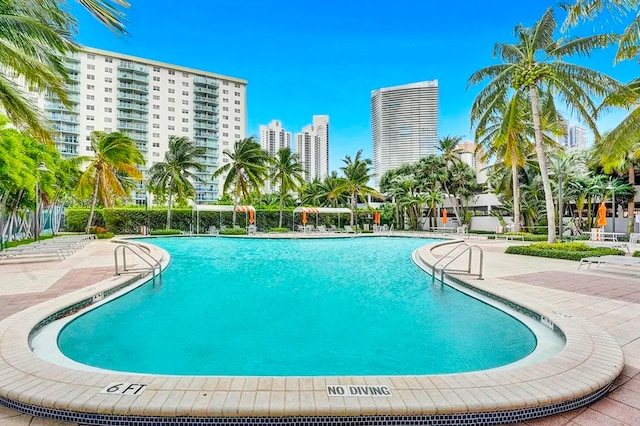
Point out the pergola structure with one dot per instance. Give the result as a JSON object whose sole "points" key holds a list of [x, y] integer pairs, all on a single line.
{"points": [[318, 210], [218, 208]]}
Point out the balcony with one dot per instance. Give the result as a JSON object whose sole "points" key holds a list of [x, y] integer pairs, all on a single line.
{"points": [[127, 125], [131, 116], [204, 108], [66, 139], [73, 88], [71, 65], [206, 117], [133, 106], [130, 76], [66, 128], [204, 134], [142, 146], [57, 106], [132, 96], [63, 118], [204, 125], [131, 66], [143, 88], [207, 90], [206, 81]]}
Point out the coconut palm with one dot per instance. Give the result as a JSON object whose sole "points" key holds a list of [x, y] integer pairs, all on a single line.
{"points": [[175, 175], [536, 64], [113, 153], [286, 172], [246, 170], [357, 173]]}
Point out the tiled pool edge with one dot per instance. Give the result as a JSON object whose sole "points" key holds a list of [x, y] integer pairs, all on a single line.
{"points": [[580, 374]]}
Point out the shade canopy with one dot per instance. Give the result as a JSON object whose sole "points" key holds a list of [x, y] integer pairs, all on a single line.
{"points": [[335, 210], [221, 208]]}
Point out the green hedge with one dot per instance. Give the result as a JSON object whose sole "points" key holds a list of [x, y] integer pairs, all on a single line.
{"points": [[279, 230], [166, 232], [130, 220], [568, 251], [233, 231]]}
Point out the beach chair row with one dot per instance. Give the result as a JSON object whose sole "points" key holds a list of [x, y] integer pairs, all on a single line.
{"points": [[60, 247]]}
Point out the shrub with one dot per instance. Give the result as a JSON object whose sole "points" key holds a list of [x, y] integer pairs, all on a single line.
{"points": [[233, 231], [636, 253], [105, 235], [557, 251], [98, 230], [166, 232], [280, 230]]}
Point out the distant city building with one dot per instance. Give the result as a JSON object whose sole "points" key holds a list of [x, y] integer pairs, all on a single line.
{"points": [[404, 122], [577, 137], [272, 139], [312, 145], [149, 101], [470, 157]]}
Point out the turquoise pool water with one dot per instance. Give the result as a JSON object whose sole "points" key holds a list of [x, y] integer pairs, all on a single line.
{"points": [[354, 306]]}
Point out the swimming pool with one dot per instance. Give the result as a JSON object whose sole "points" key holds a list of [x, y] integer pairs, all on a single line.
{"points": [[331, 307]]}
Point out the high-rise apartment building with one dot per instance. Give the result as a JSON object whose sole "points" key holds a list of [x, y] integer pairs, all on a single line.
{"points": [[272, 139], [312, 145], [149, 101], [577, 137], [404, 122], [469, 156]]}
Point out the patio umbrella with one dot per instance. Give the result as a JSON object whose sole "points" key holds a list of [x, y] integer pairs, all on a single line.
{"points": [[602, 215], [251, 218], [445, 219], [304, 218]]}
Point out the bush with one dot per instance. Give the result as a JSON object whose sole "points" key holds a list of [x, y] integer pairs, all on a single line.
{"points": [[105, 235], [98, 230], [75, 219], [233, 231], [636, 253], [280, 230], [568, 251], [166, 232]]}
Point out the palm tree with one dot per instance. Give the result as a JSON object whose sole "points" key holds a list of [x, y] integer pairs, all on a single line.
{"points": [[287, 172], [113, 153], [357, 173], [536, 63], [246, 169], [175, 174]]}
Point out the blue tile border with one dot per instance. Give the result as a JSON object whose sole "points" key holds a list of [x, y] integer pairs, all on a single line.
{"points": [[476, 418]]}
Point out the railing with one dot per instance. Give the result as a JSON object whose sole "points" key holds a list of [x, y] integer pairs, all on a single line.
{"points": [[141, 252], [453, 255]]}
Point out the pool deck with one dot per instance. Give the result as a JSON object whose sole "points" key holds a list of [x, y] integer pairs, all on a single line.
{"points": [[608, 298]]}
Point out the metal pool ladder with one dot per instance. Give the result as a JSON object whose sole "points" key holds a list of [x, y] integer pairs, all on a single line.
{"points": [[454, 254], [142, 253]]}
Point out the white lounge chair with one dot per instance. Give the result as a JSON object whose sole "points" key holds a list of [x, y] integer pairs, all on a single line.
{"points": [[609, 260], [348, 229]]}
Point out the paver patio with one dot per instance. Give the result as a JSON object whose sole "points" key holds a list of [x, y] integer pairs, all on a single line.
{"points": [[608, 297]]}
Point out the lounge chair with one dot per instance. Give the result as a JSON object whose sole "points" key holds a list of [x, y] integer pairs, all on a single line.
{"points": [[349, 230], [252, 229], [332, 228], [213, 230], [32, 251], [609, 260], [322, 229], [300, 228]]}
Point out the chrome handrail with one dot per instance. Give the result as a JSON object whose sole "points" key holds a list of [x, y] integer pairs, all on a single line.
{"points": [[145, 256], [466, 248]]}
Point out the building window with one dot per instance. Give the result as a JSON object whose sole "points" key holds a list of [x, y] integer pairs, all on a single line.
{"points": [[156, 144], [107, 109], [237, 135], [185, 84], [108, 80], [225, 134], [108, 100], [90, 128], [171, 127], [172, 100], [156, 125], [91, 77], [155, 154], [236, 119], [225, 126], [91, 67], [156, 116], [185, 129], [108, 60], [90, 86], [108, 90], [237, 85], [237, 110], [225, 100], [108, 69], [156, 97], [225, 143], [172, 72], [107, 120], [90, 118], [156, 69], [156, 88], [225, 83], [185, 111], [185, 120], [185, 74], [156, 78], [185, 102], [172, 118], [91, 56], [236, 93], [172, 90], [156, 135], [91, 97], [225, 92], [156, 106], [171, 109], [107, 129], [236, 127], [172, 81], [185, 93], [225, 117], [237, 102]]}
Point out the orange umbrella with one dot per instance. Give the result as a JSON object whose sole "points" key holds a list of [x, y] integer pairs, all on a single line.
{"points": [[304, 218], [602, 215], [445, 219], [378, 218], [251, 218]]}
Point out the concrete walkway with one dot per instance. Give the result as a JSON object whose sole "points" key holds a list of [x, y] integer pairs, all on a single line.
{"points": [[609, 297]]}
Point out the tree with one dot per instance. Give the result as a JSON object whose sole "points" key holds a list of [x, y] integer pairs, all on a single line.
{"points": [[357, 173], [246, 169], [175, 174], [286, 172], [113, 153], [536, 63]]}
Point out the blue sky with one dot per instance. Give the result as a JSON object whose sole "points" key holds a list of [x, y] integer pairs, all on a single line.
{"points": [[304, 58]]}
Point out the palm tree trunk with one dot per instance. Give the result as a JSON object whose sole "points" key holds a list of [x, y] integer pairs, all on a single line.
{"points": [[353, 207], [94, 199], [542, 161], [281, 204], [169, 208], [631, 207], [236, 196], [516, 196]]}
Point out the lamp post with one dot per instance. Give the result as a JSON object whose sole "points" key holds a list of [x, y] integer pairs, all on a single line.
{"points": [[613, 202], [36, 218], [560, 205]]}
